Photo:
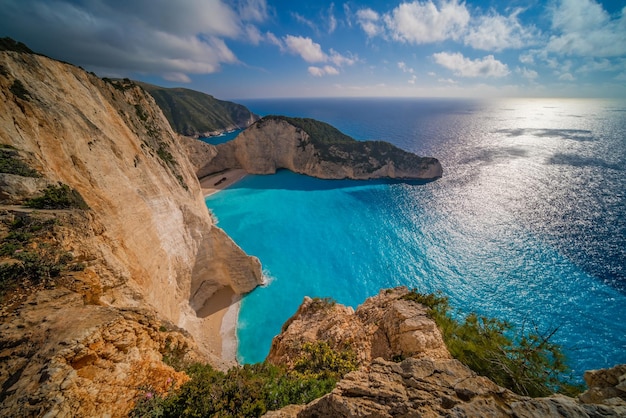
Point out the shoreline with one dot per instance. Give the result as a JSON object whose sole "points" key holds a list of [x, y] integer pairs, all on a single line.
{"points": [[224, 304], [216, 182]]}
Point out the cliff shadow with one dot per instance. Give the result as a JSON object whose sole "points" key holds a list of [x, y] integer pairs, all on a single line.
{"points": [[287, 180], [223, 299]]}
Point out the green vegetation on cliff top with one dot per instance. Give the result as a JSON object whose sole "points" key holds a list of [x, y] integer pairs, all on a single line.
{"points": [[527, 362], [253, 389], [194, 113]]}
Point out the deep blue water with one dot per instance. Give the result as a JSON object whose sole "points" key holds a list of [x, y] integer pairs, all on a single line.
{"points": [[528, 222]]}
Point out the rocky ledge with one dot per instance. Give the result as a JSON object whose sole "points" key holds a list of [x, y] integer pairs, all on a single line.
{"points": [[407, 371], [314, 148]]}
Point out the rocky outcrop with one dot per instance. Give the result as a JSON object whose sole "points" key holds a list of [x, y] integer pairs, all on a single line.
{"points": [[148, 244], [406, 369], [277, 142], [384, 326]]}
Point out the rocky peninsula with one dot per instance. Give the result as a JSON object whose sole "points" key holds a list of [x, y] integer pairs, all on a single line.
{"points": [[314, 148]]}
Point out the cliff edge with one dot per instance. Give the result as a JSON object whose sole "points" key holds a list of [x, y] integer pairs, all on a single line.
{"points": [[95, 297], [314, 148]]}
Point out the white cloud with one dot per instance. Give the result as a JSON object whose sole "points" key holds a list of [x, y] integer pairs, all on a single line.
{"points": [[341, 60], [148, 36], [304, 21], [566, 77], [527, 73], [402, 65], [527, 58], [273, 39], [465, 67], [600, 65], [322, 71], [412, 79], [332, 20], [306, 48], [585, 29], [422, 22], [177, 77], [496, 32], [254, 35], [312, 52], [253, 10], [447, 81], [369, 20]]}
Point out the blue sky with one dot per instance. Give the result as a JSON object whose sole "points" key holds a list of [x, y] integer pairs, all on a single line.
{"points": [[367, 48]]}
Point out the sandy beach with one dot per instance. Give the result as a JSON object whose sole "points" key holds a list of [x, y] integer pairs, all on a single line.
{"points": [[222, 309], [215, 182]]}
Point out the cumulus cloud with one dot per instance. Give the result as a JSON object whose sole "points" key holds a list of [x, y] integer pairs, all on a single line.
{"points": [[465, 67], [422, 22], [172, 38], [370, 22], [305, 47], [585, 29], [495, 32], [426, 21], [312, 52], [322, 71]]}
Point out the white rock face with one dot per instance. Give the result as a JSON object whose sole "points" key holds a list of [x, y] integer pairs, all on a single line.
{"points": [[157, 244], [272, 144]]}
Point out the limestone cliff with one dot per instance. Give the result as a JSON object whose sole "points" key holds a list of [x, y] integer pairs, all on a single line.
{"points": [[317, 149], [151, 253], [407, 371]]}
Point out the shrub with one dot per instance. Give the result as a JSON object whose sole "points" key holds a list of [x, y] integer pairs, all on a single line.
{"points": [[250, 390], [58, 197], [11, 164], [319, 359], [18, 89], [526, 362], [33, 258]]}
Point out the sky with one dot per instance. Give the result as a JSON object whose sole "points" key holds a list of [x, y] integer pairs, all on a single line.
{"points": [[242, 49]]}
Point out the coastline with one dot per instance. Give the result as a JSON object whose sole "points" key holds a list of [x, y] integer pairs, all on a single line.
{"points": [[216, 182], [223, 306]]}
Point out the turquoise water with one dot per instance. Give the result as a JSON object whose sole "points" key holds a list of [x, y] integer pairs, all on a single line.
{"points": [[220, 139], [527, 223]]}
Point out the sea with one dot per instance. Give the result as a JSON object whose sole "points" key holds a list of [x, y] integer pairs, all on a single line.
{"points": [[527, 223]]}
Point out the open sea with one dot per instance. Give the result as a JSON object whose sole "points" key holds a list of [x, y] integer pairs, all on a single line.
{"points": [[527, 224]]}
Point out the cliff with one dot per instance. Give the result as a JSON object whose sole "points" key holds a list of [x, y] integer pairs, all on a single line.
{"points": [[195, 114], [93, 299], [317, 149], [406, 369]]}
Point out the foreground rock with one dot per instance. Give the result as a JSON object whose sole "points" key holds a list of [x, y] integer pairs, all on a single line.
{"points": [[316, 149], [423, 381]]}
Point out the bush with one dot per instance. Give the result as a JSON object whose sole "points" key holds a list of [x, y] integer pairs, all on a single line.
{"points": [[250, 390], [11, 164], [58, 197], [18, 89], [528, 363], [31, 256]]}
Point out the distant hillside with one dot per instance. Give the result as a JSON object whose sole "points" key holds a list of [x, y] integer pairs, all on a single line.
{"points": [[193, 113]]}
